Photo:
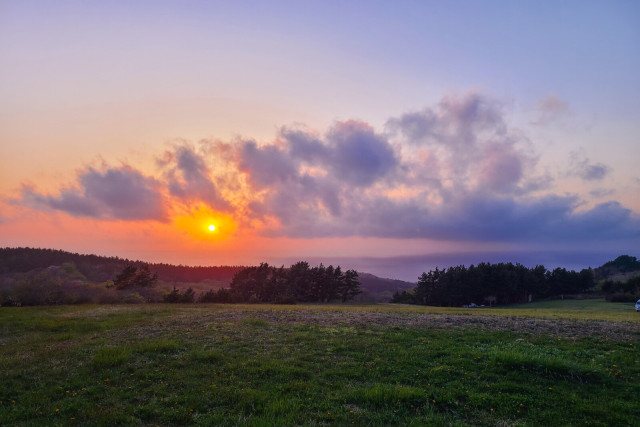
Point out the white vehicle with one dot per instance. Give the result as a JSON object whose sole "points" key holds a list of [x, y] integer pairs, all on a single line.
{"points": [[638, 305]]}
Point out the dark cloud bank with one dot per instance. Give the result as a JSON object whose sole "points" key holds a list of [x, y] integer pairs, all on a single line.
{"points": [[117, 193], [456, 172]]}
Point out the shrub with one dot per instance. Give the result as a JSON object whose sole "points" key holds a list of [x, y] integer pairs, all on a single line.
{"points": [[622, 297], [134, 298], [176, 297]]}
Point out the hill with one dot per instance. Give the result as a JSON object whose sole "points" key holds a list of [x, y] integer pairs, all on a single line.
{"points": [[46, 273], [620, 269], [377, 289], [100, 268]]}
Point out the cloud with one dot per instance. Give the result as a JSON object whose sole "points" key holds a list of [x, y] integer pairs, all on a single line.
{"points": [[549, 109], [187, 176], [501, 168], [304, 178], [475, 218], [594, 172], [266, 166], [457, 121], [465, 176], [602, 192], [351, 150], [455, 171], [358, 155], [469, 143], [582, 167], [546, 219], [305, 145], [116, 193]]}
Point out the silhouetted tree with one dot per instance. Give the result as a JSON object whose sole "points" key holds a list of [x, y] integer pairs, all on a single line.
{"points": [[126, 277], [503, 283], [176, 297], [134, 277], [266, 283]]}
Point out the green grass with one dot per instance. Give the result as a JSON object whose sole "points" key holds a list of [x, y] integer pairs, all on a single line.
{"points": [[593, 309], [556, 363], [586, 309]]}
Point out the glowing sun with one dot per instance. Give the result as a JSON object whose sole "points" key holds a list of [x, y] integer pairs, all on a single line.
{"points": [[202, 223]]}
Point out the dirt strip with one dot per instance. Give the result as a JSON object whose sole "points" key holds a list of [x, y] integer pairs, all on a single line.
{"points": [[565, 328]]}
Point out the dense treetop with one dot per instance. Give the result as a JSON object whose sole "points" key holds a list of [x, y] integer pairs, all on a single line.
{"points": [[487, 283], [299, 283]]}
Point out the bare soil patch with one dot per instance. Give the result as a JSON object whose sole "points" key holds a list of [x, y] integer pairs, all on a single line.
{"points": [[560, 328]]}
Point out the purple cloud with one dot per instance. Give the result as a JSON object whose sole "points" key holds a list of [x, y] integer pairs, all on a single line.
{"points": [[359, 156], [305, 178], [266, 165], [457, 122], [468, 140], [583, 168], [188, 178], [501, 168], [454, 172], [305, 145], [471, 218], [602, 192], [467, 177], [550, 108], [118, 193], [595, 172]]}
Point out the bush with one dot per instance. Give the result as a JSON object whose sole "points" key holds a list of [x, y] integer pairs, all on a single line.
{"points": [[134, 298], [622, 297], [176, 297]]}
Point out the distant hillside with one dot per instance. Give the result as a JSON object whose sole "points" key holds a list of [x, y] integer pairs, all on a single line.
{"points": [[377, 289], [100, 268], [620, 269], [35, 262], [619, 279]]}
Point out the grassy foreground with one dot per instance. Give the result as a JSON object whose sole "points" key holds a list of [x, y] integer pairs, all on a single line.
{"points": [[567, 362]]}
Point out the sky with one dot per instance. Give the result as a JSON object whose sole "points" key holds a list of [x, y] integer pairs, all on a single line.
{"points": [[390, 137]]}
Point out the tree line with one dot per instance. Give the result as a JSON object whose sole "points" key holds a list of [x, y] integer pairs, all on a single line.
{"points": [[621, 265], [486, 283], [298, 283]]}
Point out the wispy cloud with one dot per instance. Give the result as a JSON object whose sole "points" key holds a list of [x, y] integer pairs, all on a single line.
{"points": [[582, 167], [549, 109]]}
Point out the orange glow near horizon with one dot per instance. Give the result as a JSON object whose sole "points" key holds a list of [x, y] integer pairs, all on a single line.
{"points": [[203, 223]]}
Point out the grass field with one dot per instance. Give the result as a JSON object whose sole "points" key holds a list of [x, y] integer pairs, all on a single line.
{"points": [[554, 363]]}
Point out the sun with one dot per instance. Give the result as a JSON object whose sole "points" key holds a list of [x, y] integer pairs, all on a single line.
{"points": [[203, 223]]}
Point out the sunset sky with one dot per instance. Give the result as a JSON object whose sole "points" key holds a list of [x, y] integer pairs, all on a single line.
{"points": [[389, 137]]}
